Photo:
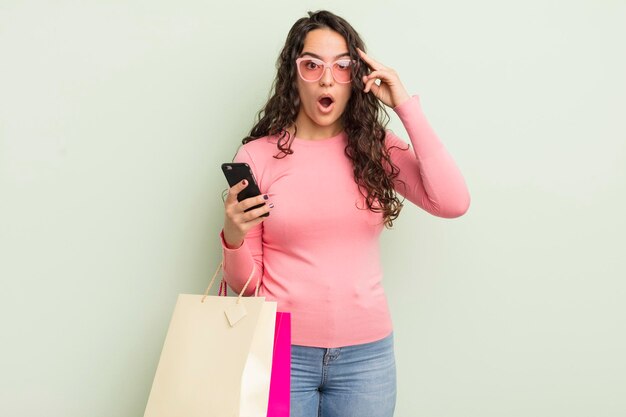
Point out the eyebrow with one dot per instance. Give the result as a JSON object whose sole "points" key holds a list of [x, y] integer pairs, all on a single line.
{"points": [[319, 57]]}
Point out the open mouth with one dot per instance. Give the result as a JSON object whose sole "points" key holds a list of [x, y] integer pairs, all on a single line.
{"points": [[326, 101]]}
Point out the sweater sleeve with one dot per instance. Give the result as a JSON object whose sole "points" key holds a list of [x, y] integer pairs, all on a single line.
{"points": [[428, 175], [239, 262]]}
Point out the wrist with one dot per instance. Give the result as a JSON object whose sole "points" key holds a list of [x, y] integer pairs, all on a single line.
{"points": [[402, 99], [231, 241], [407, 104], [233, 246]]}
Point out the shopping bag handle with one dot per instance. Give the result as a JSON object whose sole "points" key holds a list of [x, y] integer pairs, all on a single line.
{"points": [[219, 267]]}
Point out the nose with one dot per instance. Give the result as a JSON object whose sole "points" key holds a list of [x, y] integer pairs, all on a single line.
{"points": [[327, 77]]}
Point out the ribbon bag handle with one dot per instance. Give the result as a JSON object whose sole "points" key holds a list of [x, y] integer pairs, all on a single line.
{"points": [[219, 267]]}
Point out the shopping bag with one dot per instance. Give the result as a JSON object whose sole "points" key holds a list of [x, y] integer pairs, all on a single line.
{"points": [[281, 368], [217, 357]]}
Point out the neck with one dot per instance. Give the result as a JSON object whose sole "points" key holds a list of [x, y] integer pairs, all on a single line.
{"points": [[307, 131]]}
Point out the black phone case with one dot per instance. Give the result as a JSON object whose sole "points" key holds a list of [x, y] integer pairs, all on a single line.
{"points": [[235, 172]]}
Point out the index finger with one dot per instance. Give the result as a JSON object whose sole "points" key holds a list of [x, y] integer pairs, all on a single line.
{"points": [[234, 190], [369, 61]]}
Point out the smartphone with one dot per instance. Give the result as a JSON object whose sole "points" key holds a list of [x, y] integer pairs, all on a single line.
{"points": [[235, 172]]}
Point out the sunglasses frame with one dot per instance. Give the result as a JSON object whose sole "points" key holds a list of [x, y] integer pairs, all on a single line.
{"points": [[326, 65]]}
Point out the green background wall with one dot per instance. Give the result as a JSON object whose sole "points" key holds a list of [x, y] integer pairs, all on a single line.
{"points": [[115, 117]]}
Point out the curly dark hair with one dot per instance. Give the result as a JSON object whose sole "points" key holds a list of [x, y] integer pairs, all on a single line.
{"points": [[364, 119]]}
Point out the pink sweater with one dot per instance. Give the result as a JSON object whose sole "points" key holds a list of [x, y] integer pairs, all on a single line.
{"points": [[317, 254]]}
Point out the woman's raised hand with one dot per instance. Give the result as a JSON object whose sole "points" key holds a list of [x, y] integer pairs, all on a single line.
{"points": [[390, 91], [237, 223]]}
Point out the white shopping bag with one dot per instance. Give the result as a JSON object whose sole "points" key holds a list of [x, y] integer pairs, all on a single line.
{"points": [[217, 358]]}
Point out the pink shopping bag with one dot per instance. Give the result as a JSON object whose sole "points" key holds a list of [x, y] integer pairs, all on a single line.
{"points": [[281, 368]]}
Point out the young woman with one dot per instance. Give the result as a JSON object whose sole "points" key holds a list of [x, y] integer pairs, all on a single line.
{"points": [[330, 177]]}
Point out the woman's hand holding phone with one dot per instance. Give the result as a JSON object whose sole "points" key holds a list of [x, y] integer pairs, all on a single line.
{"points": [[237, 221]]}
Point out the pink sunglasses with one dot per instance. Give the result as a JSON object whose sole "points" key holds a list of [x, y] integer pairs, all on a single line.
{"points": [[312, 69]]}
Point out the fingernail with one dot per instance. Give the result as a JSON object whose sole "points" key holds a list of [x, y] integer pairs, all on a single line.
{"points": [[265, 197], [271, 205], [244, 182]]}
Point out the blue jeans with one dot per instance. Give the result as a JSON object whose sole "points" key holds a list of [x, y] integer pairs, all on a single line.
{"points": [[351, 381]]}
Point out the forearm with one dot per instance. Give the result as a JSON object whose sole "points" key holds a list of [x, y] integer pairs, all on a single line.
{"points": [[424, 139], [429, 177], [239, 262]]}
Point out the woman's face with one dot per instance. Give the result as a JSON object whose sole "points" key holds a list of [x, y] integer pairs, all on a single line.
{"points": [[322, 102]]}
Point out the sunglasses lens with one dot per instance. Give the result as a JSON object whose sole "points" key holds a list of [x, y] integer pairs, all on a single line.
{"points": [[310, 69], [342, 71]]}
